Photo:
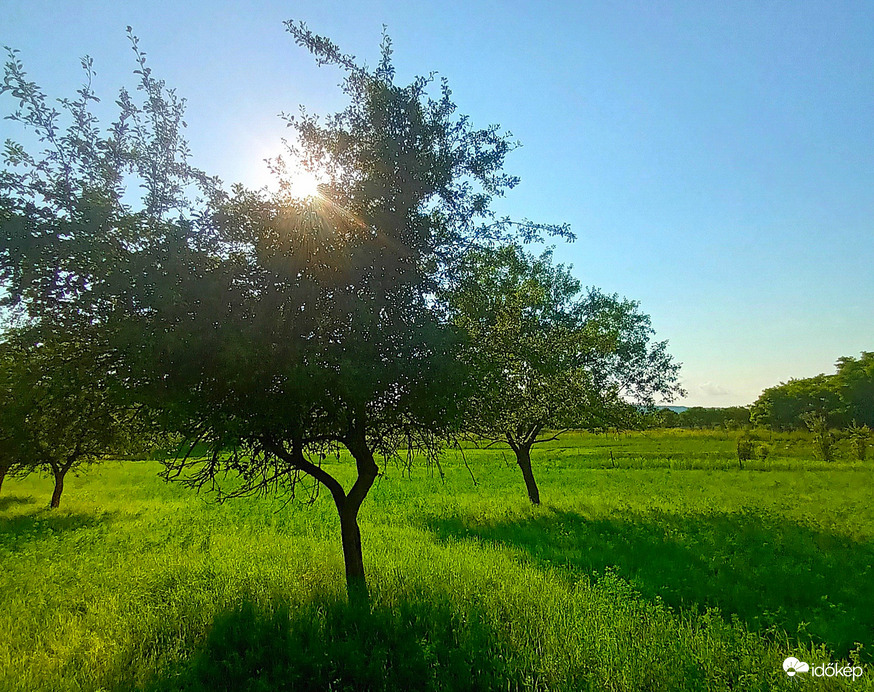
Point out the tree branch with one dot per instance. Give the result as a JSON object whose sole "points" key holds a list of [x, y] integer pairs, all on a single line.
{"points": [[297, 460], [553, 438]]}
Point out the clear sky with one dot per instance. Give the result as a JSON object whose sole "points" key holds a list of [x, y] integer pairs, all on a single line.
{"points": [[715, 159]]}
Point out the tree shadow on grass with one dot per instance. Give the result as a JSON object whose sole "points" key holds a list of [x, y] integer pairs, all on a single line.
{"points": [[768, 571], [17, 531], [329, 645], [8, 501]]}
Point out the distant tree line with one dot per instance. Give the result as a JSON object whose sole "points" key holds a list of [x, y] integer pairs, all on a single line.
{"points": [[840, 400], [703, 418]]}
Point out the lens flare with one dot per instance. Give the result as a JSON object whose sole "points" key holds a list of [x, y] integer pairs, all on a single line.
{"points": [[303, 184]]}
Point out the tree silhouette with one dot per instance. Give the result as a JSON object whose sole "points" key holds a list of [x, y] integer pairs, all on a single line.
{"points": [[275, 330]]}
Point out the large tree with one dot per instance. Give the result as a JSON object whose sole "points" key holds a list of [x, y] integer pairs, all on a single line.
{"points": [[546, 357], [271, 328], [784, 406]]}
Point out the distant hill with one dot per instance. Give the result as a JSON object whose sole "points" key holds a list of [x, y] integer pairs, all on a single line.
{"points": [[675, 409]]}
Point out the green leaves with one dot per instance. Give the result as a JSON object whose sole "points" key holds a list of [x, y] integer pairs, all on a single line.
{"points": [[547, 357], [57, 405]]}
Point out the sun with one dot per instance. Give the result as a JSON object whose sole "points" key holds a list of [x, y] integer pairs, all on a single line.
{"points": [[303, 184], [284, 173]]}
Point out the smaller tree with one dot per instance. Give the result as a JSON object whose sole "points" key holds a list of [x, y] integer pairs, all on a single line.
{"points": [[56, 408], [546, 359]]}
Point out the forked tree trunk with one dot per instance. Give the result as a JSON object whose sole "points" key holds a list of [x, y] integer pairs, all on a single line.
{"points": [[523, 459], [356, 580], [347, 507], [58, 472]]}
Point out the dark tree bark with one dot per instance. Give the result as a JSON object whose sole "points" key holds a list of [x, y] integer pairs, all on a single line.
{"points": [[353, 556], [521, 441], [58, 472], [356, 580], [523, 459], [347, 505], [3, 471]]}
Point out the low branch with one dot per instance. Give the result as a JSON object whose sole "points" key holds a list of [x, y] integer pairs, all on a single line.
{"points": [[297, 460], [553, 438]]}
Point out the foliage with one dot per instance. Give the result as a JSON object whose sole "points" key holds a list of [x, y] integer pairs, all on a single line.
{"points": [[823, 438], [57, 410], [14, 404], [546, 358], [730, 417], [855, 380], [751, 446], [745, 449], [860, 436], [82, 217], [77, 220], [785, 406], [846, 396], [664, 417]]}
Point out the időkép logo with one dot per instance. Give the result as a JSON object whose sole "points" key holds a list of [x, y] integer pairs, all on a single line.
{"points": [[793, 666]]}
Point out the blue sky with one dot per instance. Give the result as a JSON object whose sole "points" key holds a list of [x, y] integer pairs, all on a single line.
{"points": [[716, 160]]}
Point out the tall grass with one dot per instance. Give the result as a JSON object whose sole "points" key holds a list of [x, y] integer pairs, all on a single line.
{"points": [[646, 578]]}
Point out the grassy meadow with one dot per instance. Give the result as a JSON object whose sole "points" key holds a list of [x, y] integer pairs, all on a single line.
{"points": [[655, 563]]}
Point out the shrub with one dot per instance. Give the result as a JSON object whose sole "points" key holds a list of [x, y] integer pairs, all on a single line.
{"points": [[823, 439], [746, 447], [859, 437]]}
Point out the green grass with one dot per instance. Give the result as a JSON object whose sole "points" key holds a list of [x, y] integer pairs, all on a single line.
{"points": [[663, 568]]}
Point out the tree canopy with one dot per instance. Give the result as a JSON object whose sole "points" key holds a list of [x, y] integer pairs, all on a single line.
{"points": [[546, 357], [57, 410], [840, 399], [274, 329], [855, 380]]}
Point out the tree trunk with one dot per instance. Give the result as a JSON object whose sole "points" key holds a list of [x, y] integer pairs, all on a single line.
{"points": [[356, 580], [3, 470], [347, 505], [353, 556], [59, 474], [523, 458]]}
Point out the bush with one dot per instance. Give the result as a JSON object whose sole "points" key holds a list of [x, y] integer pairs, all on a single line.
{"points": [[823, 439], [746, 447], [859, 436]]}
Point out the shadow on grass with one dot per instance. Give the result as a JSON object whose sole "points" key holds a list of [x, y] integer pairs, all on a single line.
{"points": [[329, 645], [768, 571], [8, 501], [41, 523]]}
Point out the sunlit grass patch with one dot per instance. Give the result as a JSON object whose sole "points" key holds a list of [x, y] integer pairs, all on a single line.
{"points": [[626, 579]]}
